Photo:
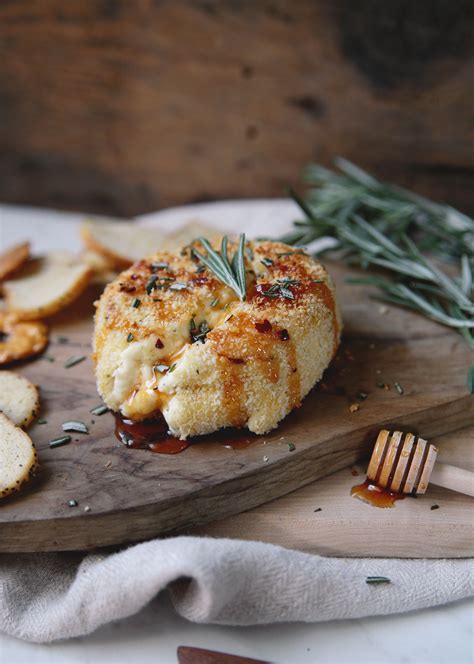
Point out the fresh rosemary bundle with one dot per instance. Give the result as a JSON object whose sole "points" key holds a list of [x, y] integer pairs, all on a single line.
{"points": [[380, 225]]}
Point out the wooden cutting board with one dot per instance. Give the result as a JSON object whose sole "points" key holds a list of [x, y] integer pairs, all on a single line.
{"points": [[324, 518], [134, 494]]}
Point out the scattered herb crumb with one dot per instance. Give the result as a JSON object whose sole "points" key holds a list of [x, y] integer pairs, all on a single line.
{"points": [[383, 386], [291, 447], [362, 395], [375, 580], [48, 358], [62, 340], [99, 410], [266, 261], [318, 509], [434, 507], [215, 302], [57, 442], [73, 360], [72, 503], [87, 508], [265, 458], [172, 367], [42, 421], [354, 407], [130, 337], [136, 303], [399, 388], [76, 426]]}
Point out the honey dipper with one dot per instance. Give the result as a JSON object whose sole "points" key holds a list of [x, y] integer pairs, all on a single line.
{"points": [[404, 463]]}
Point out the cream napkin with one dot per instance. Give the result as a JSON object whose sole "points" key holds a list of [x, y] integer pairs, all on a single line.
{"points": [[44, 597]]}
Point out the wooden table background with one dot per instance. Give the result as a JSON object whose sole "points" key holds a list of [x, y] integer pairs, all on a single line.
{"points": [[126, 107]]}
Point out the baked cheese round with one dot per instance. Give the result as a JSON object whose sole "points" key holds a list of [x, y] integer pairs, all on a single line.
{"points": [[171, 338]]}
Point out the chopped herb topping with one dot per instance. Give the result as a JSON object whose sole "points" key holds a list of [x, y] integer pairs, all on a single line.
{"points": [[266, 261], [285, 292], [178, 286], [49, 358], [76, 426], [199, 333], [172, 367], [200, 268], [62, 340], [374, 580], [57, 442], [399, 388], [154, 267], [99, 410], [215, 302], [73, 360], [151, 284], [290, 253], [136, 303], [280, 289], [291, 447], [130, 337]]}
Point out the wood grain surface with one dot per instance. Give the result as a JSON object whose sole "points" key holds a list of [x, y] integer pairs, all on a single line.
{"points": [[134, 494], [324, 518], [127, 107]]}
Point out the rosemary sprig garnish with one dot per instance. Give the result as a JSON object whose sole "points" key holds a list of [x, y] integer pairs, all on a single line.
{"points": [[232, 274], [379, 225]]}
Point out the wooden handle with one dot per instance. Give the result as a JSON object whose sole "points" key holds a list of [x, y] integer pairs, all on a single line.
{"points": [[452, 477]]}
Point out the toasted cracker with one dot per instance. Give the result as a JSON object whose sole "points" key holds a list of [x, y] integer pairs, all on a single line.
{"points": [[19, 399], [46, 285], [20, 340], [12, 259], [123, 243], [17, 456]]}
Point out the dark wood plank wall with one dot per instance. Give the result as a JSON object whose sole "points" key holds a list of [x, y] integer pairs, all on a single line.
{"points": [[127, 106]]}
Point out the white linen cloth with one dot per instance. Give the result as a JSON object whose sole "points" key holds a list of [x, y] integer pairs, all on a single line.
{"points": [[44, 597], [51, 596]]}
